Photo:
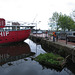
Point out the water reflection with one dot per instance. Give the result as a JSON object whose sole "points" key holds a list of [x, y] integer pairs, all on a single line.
{"points": [[25, 66], [67, 70], [14, 52], [35, 47]]}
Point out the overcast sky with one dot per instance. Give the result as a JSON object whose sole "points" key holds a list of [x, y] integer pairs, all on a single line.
{"points": [[27, 10]]}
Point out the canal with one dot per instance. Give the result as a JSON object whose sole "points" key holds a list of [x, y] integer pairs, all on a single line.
{"points": [[18, 60]]}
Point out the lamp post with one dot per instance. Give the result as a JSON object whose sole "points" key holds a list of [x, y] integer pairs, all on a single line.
{"points": [[36, 26], [36, 33]]}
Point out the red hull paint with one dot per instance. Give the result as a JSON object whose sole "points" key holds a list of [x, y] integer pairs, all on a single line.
{"points": [[13, 36]]}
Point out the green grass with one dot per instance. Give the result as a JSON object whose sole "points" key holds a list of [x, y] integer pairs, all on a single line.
{"points": [[50, 58]]}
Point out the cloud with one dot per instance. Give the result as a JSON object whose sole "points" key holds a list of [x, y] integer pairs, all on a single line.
{"points": [[26, 10]]}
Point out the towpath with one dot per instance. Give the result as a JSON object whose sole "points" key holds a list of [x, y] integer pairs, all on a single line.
{"points": [[63, 42]]}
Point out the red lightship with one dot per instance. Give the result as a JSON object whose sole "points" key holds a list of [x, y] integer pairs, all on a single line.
{"points": [[13, 33]]}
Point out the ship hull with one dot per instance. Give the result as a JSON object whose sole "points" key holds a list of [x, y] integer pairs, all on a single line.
{"points": [[13, 36]]}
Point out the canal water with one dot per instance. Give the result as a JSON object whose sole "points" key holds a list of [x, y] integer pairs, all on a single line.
{"points": [[17, 60]]}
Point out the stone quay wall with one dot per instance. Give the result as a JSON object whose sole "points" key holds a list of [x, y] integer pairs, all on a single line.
{"points": [[55, 47]]}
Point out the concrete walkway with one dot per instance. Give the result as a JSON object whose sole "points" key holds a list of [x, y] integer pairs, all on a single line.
{"points": [[62, 42]]}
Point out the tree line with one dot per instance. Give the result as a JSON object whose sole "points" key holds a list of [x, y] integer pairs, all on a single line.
{"points": [[63, 21]]}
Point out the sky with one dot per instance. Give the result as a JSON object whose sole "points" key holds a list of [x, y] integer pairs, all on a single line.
{"points": [[34, 10]]}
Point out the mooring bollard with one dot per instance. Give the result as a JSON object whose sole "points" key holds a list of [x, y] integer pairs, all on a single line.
{"points": [[56, 38], [66, 39]]}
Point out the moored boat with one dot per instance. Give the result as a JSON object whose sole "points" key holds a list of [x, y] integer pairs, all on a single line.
{"points": [[13, 33]]}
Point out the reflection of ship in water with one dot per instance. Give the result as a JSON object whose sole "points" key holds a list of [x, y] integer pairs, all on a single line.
{"points": [[14, 52]]}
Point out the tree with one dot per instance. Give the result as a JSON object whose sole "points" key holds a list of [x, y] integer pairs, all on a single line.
{"points": [[65, 22], [62, 21], [73, 27], [55, 18], [70, 23]]}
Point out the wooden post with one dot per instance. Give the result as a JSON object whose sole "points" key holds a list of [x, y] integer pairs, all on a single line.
{"points": [[66, 39]]}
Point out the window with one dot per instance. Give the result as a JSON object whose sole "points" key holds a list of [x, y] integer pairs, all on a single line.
{"points": [[74, 34]]}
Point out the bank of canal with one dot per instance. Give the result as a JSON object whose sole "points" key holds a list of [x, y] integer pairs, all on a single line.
{"points": [[26, 66], [60, 48]]}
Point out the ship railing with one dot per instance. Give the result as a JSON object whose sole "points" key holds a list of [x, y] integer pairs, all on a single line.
{"points": [[15, 28], [11, 29]]}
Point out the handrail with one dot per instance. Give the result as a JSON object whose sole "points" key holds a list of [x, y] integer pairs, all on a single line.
{"points": [[13, 29]]}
